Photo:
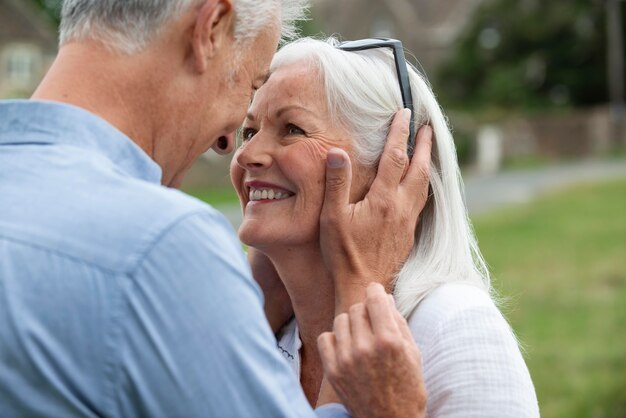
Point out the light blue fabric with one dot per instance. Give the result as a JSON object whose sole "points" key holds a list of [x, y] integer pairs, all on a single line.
{"points": [[120, 297]]}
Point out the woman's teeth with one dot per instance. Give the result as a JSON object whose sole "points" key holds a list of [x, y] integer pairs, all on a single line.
{"points": [[267, 194]]}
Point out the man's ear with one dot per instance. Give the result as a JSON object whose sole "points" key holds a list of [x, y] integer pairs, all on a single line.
{"points": [[212, 30]]}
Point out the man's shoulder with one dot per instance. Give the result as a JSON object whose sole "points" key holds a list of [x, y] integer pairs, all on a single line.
{"points": [[140, 214], [148, 204], [107, 221]]}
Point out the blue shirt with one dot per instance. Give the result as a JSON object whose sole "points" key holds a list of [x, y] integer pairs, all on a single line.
{"points": [[120, 297]]}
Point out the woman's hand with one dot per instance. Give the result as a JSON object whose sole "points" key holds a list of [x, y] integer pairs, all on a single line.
{"points": [[372, 362], [278, 308], [369, 240]]}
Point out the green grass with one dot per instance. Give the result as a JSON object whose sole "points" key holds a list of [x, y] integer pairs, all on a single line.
{"points": [[215, 196], [561, 262]]}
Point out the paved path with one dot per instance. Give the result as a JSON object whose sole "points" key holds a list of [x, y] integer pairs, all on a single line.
{"points": [[485, 193], [488, 192]]}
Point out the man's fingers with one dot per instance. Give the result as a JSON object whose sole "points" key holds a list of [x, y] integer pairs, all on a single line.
{"points": [[417, 179], [400, 321], [360, 329], [343, 340], [380, 313], [338, 181], [326, 346], [394, 159]]}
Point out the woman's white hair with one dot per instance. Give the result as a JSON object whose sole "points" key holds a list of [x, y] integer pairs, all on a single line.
{"points": [[128, 26], [363, 95]]}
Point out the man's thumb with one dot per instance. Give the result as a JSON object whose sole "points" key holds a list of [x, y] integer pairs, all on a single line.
{"points": [[338, 180]]}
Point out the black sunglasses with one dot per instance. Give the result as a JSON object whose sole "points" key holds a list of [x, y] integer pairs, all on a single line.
{"points": [[403, 74]]}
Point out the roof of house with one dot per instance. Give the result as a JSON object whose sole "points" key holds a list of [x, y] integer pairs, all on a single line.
{"points": [[21, 21]]}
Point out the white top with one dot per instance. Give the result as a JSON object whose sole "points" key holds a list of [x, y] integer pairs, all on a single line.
{"points": [[471, 362]]}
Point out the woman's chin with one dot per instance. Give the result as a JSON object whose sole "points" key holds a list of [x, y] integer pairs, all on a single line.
{"points": [[274, 237], [253, 237], [246, 239]]}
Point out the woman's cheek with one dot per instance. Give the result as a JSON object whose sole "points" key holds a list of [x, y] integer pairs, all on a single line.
{"points": [[315, 150]]}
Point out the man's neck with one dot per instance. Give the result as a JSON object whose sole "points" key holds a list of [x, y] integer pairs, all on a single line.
{"points": [[110, 85]]}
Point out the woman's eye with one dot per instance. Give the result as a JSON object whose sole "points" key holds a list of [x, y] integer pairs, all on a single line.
{"points": [[247, 134], [294, 130]]}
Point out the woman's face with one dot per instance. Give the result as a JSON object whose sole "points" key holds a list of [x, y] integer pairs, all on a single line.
{"points": [[279, 171]]}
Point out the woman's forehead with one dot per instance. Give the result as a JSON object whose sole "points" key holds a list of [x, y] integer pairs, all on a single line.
{"points": [[294, 78], [293, 87]]}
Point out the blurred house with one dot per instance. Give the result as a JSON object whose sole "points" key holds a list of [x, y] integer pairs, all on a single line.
{"points": [[28, 44], [427, 28]]}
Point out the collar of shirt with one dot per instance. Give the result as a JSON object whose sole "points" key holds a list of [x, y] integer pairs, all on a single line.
{"points": [[41, 122], [289, 345]]}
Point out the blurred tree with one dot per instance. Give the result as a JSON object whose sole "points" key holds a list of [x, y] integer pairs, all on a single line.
{"points": [[51, 7], [529, 54], [307, 27]]}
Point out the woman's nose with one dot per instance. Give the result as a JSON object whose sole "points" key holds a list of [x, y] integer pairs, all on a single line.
{"points": [[254, 154], [224, 144]]}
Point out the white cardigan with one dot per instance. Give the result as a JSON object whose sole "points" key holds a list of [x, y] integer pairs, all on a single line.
{"points": [[471, 362]]}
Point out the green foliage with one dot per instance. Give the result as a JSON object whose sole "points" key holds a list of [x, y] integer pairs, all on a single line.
{"points": [[529, 54], [308, 28], [561, 261], [51, 7], [465, 147]]}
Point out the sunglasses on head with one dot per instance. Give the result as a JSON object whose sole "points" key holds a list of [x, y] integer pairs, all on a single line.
{"points": [[401, 70]]}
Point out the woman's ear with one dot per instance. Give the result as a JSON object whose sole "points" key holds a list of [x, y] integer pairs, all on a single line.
{"points": [[212, 31]]}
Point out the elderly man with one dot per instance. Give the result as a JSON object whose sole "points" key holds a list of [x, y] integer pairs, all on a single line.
{"points": [[121, 297]]}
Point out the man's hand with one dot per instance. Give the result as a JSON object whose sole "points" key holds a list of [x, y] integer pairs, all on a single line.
{"points": [[372, 362], [278, 308], [369, 240]]}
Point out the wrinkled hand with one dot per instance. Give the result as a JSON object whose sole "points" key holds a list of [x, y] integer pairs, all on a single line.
{"points": [[369, 240], [278, 308], [372, 362]]}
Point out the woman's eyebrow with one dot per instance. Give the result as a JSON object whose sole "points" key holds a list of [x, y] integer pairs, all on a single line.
{"points": [[284, 109], [251, 117]]}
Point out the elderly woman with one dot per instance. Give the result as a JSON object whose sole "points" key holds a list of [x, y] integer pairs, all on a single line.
{"points": [[322, 95]]}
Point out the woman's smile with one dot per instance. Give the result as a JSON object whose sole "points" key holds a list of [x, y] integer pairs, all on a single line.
{"points": [[262, 192]]}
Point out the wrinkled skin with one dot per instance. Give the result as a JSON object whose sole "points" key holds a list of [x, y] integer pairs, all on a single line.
{"points": [[367, 342]]}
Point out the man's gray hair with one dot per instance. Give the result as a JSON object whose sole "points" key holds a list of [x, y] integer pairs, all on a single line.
{"points": [[128, 26]]}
